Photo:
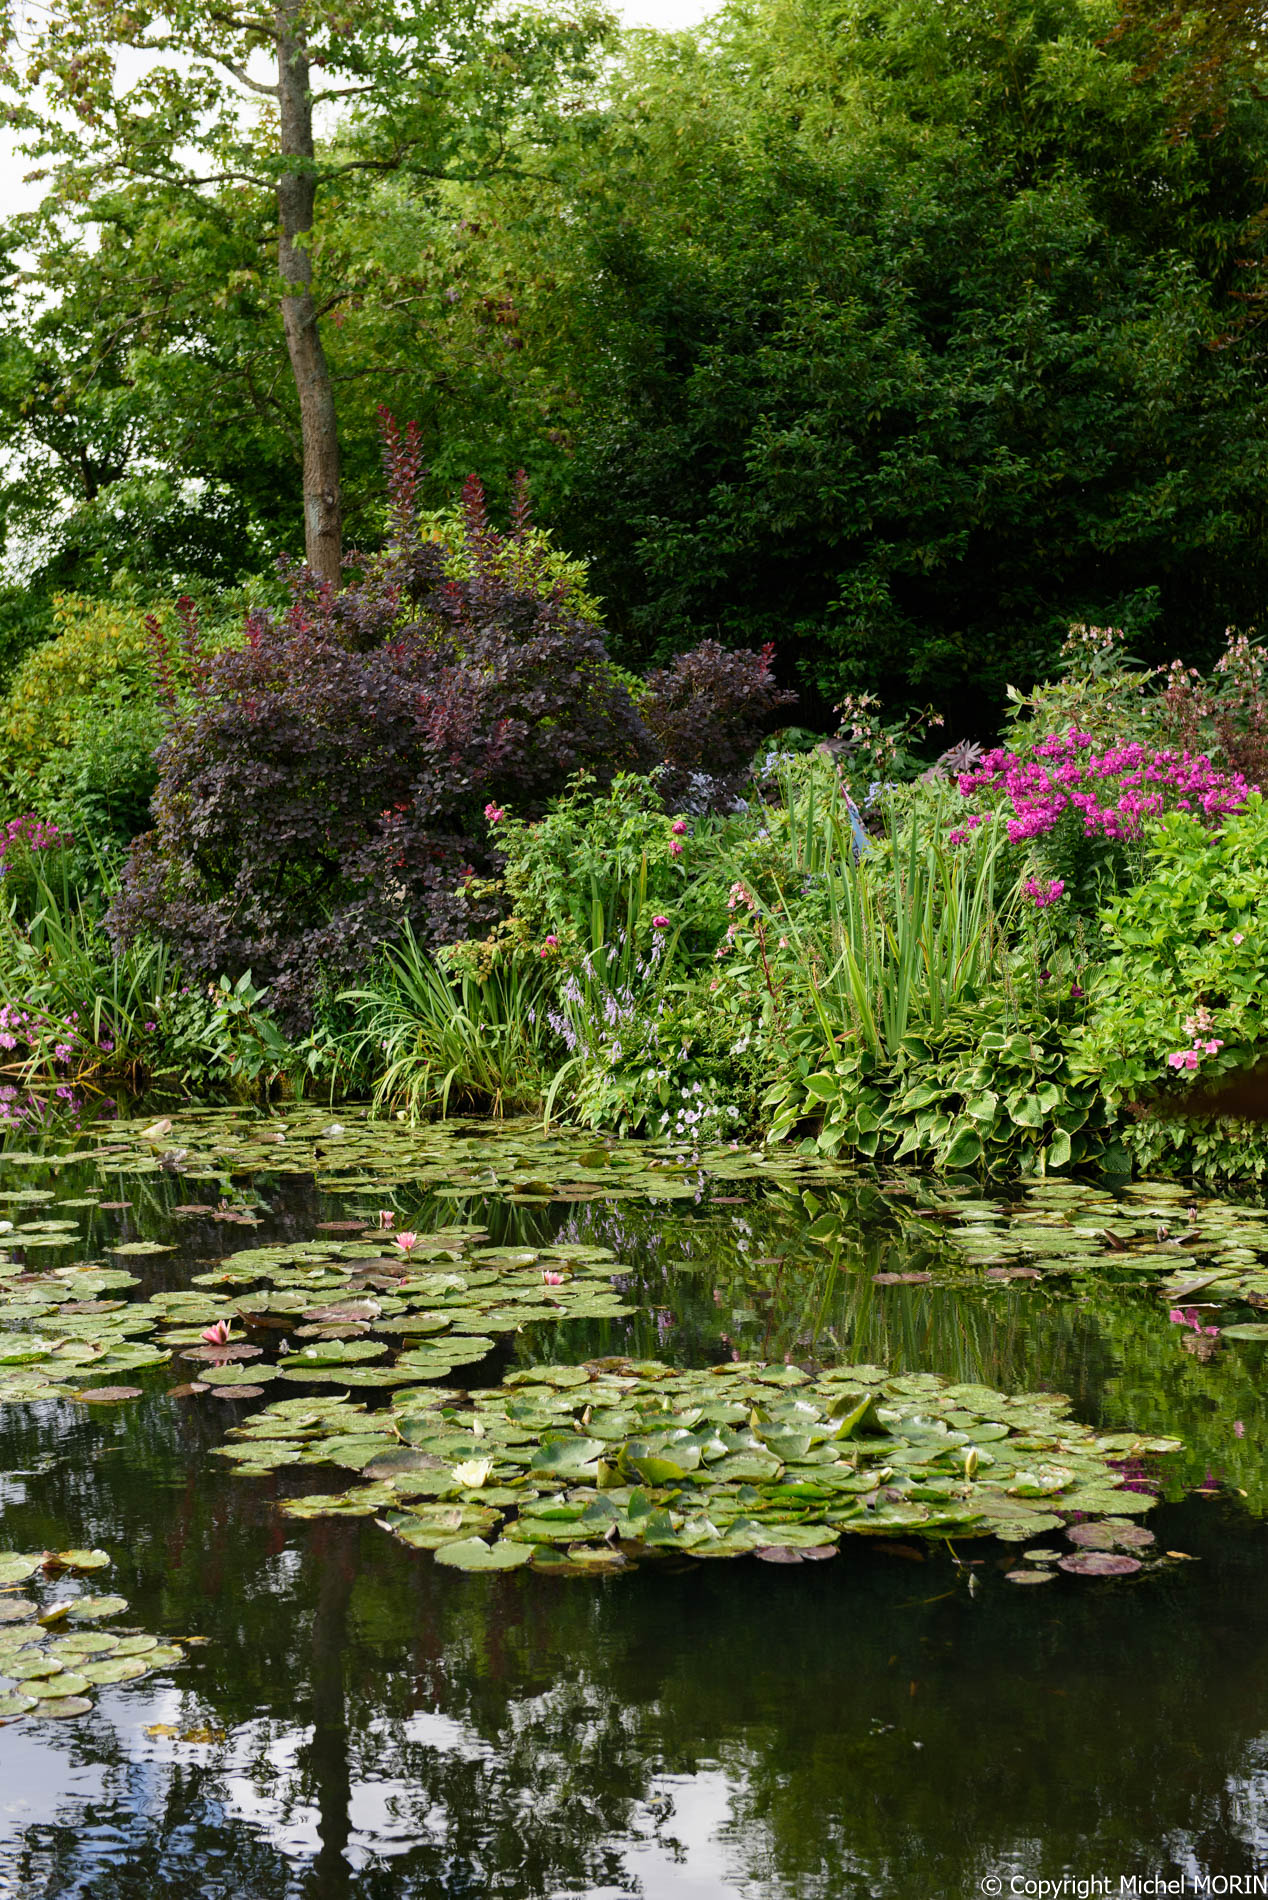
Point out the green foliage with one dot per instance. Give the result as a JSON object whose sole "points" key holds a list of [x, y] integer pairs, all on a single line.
{"points": [[438, 1042], [55, 959], [899, 339], [1185, 963], [991, 1091], [589, 850], [98, 653]]}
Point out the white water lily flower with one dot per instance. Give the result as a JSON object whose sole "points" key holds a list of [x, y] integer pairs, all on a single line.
{"points": [[473, 1473]]}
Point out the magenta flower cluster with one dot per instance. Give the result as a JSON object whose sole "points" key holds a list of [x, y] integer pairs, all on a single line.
{"points": [[1042, 893], [38, 834], [1112, 791]]}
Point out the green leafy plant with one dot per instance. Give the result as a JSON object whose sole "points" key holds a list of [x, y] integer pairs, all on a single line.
{"points": [[439, 1040], [1178, 1002]]}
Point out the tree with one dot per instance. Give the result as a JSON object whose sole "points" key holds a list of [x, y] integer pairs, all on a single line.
{"points": [[896, 342], [430, 88]]}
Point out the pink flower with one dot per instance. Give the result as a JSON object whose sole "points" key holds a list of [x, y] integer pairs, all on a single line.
{"points": [[1177, 1059], [553, 1279], [386, 1217], [1191, 1058], [1212, 1047], [407, 1243], [494, 813], [217, 1335], [679, 827], [1238, 937], [660, 923], [675, 847], [1239, 1430], [1044, 894]]}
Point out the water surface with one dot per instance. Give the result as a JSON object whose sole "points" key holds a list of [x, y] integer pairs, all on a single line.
{"points": [[360, 1722]]}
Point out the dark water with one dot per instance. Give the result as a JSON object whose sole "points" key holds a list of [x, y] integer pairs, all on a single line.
{"points": [[364, 1723]]}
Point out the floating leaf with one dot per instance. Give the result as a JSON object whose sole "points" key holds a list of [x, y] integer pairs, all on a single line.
{"points": [[1099, 1563], [16, 1569], [474, 1554]]}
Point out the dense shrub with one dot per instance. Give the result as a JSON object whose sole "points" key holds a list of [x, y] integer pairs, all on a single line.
{"points": [[1179, 1001], [329, 782], [707, 710], [98, 652], [1080, 810]]}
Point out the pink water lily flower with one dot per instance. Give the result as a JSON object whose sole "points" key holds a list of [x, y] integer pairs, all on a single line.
{"points": [[386, 1217], [1188, 1316], [553, 1279], [217, 1335], [407, 1242]]}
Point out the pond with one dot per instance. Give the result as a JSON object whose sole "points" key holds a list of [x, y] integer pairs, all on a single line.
{"points": [[336, 1713]]}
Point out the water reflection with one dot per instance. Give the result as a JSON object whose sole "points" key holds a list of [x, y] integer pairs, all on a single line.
{"points": [[362, 1723]]}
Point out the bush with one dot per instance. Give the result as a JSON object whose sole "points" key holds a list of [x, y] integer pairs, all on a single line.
{"points": [[707, 712], [99, 652], [1179, 1002], [331, 782], [1080, 811]]}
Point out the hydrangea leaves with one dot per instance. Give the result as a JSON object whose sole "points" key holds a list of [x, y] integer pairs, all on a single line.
{"points": [[588, 1469], [51, 1658]]}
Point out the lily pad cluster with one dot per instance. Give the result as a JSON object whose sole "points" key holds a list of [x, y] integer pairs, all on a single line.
{"points": [[1148, 1232], [66, 1332], [585, 1470], [320, 1312], [53, 1655], [350, 1154]]}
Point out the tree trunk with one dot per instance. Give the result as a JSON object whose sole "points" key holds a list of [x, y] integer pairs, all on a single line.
{"points": [[296, 194]]}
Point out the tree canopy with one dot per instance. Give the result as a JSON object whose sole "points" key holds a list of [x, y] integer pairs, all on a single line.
{"points": [[899, 336]]}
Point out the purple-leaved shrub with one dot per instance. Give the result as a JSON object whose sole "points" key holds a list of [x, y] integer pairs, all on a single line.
{"points": [[326, 782]]}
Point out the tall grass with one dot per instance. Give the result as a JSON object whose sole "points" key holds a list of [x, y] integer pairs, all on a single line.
{"points": [[915, 926], [445, 1042]]}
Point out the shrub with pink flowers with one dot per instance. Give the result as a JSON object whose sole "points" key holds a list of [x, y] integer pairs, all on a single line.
{"points": [[1080, 810]]}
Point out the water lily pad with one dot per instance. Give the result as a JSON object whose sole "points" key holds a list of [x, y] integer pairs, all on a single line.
{"points": [[14, 1704], [1099, 1563], [108, 1394], [16, 1569], [53, 1687], [83, 1559], [64, 1709], [90, 1607], [116, 1669], [1109, 1534], [474, 1554], [30, 1665]]}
